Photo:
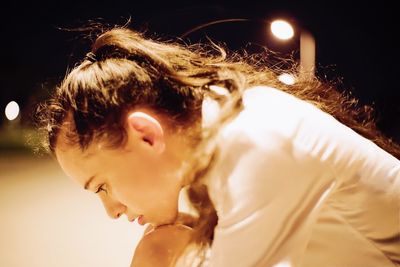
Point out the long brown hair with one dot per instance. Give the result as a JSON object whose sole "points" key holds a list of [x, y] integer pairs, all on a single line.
{"points": [[126, 69]]}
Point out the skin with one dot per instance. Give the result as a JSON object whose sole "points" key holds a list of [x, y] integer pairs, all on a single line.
{"points": [[161, 246], [140, 178]]}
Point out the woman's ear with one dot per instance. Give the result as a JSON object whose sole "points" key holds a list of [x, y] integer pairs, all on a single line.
{"points": [[148, 128]]}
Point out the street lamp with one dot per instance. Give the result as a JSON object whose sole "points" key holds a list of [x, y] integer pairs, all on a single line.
{"points": [[12, 110], [282, 29]]}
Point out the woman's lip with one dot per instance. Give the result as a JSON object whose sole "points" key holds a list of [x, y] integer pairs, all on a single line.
{"points": [[141, 220]]}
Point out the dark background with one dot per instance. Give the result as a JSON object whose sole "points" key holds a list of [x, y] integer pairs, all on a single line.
{"points": [[355, 42]]}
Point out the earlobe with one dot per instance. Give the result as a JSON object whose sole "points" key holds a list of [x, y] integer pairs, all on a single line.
{"points": [[149, 129]]}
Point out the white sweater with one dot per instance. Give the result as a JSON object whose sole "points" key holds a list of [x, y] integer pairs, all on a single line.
{"points": [[295, 187]]}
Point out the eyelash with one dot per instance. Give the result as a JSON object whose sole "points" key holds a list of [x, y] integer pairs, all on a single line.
{"points": [[100, 189]]}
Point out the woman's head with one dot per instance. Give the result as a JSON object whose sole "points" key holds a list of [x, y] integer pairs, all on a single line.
{"points": [[127, 118]]}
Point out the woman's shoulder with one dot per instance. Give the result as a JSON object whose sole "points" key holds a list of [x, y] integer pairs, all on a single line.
{"points": [[282, 123], [271, 114]]}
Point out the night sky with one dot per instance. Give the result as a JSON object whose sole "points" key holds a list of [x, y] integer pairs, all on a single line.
{"points": [[355, 43]]}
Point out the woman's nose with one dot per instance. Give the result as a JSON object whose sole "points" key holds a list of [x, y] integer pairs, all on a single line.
{"points": [[115, 215], [116, 210], [113, 208]]}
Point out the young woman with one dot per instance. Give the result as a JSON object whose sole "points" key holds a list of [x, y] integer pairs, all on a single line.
{"points": [[278, 175]]}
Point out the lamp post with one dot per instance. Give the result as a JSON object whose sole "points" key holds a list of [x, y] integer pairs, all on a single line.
{"points": [[307, 55]]}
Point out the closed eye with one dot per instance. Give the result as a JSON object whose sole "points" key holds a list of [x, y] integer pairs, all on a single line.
{"points": [[101, 188]]}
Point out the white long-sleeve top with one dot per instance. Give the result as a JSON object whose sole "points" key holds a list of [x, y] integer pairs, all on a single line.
{"points": [[294, 187]]}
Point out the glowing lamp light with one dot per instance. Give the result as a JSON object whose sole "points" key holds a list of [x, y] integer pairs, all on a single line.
{"points": [[282, 29], [287, 78], [12, 110]]}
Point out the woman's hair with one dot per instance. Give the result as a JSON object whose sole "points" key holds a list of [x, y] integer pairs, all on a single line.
{"points": [[125, 70]]}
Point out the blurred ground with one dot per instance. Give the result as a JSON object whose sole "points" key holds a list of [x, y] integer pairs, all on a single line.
{"points": [[47, 220]]}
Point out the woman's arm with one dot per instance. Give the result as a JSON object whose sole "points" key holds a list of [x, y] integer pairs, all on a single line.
{"points": [[161, 246]]}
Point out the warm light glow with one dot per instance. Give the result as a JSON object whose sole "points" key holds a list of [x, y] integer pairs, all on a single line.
{"points": [[287, 78], [12, 110], [282, 29]]}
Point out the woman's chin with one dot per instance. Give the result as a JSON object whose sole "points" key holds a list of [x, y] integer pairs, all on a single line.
{"points": [[164, 221]]}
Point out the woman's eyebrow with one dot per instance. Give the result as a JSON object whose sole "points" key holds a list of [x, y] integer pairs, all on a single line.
{"points": [[87, 184]]}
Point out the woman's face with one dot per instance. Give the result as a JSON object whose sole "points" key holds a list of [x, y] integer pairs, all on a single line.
{"points": [[133, 180]]}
